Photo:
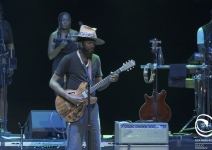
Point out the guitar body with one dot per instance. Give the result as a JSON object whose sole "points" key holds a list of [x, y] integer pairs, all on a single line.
{"points": [[71, 112], [146, 111]]}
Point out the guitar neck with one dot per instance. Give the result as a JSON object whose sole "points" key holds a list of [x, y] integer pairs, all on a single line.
{"points": [[103, 82]]}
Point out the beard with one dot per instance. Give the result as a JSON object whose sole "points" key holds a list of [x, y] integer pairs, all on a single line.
{"points": [[87, 53]]}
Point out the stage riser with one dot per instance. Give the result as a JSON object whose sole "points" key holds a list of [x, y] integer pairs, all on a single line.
{"points": [[142, 147], [175, 143], [18, 148]]}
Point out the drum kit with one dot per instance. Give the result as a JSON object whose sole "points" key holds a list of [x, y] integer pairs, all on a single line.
{"points": [[200, 70]]}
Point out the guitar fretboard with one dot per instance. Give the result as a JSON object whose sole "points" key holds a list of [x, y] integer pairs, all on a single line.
{"points": [[103, 82]]}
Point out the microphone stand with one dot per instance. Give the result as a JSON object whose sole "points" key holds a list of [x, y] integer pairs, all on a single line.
{"points": [[22, 128], [88, 92], [207, 74], [89, 120]]}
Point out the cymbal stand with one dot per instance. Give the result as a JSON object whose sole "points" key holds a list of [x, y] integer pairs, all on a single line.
{"points": [[208, 79], [202, 89], [205, 84], [199, 79], [196, 92], [207, 54]]}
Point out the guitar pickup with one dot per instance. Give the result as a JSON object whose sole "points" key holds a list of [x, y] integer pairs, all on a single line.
{"points": [[84, 94]]}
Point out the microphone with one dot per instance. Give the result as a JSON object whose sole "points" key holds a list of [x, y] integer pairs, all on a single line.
{"points": [[80, 23], [160, 60], [58, 40]]}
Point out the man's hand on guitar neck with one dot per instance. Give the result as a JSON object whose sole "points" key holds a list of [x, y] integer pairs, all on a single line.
{"points": [[113, 77]]}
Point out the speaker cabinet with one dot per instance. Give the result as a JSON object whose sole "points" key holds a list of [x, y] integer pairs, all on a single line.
{"points": [[141, 132], [44, 124]]}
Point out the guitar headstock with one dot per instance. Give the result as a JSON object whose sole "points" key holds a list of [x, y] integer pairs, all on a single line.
{"points": [[128, 65]]}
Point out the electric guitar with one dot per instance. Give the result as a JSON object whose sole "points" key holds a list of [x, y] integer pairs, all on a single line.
{"points": [[155, 107], [163, 112], [71, 112]]}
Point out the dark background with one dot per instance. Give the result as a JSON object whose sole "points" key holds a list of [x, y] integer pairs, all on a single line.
{"points": [[126, 26]]}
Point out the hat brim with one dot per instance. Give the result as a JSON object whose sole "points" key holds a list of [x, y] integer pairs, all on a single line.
{"points": [[97, 40]]}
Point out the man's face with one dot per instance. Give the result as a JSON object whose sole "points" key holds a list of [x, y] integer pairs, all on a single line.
{"points": [[88, 48], [65, 22]]}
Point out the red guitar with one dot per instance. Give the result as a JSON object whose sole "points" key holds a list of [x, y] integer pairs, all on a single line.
{"points": [[146, 111], [155, 107]]}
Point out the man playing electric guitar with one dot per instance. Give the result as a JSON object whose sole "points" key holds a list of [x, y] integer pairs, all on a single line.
{"points": [[77, 66]]}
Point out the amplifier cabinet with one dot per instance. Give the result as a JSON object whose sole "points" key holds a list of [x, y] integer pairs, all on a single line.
{"points": [[141, 147], [141, 133]]}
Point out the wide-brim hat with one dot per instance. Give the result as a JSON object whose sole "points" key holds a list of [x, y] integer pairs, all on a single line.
{"points": [[88, 32]]}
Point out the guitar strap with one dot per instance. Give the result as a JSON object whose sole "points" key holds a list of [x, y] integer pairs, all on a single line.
{"points": [[89, 65]]}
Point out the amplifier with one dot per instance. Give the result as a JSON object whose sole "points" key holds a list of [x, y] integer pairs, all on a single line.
{"points": [[141, 147], [154, 132]]}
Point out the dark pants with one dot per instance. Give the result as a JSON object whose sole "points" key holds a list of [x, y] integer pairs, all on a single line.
{"points": [[77, 131]]}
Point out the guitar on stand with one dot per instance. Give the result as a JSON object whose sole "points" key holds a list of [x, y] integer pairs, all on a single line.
{"points": [[155, 107]]}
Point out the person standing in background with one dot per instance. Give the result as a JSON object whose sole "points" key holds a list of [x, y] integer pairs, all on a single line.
{"points": [[66, 44], [204, 44], [7, 45]]}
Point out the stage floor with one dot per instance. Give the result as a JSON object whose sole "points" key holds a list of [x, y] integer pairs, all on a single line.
{"points": [[176, 142]]}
